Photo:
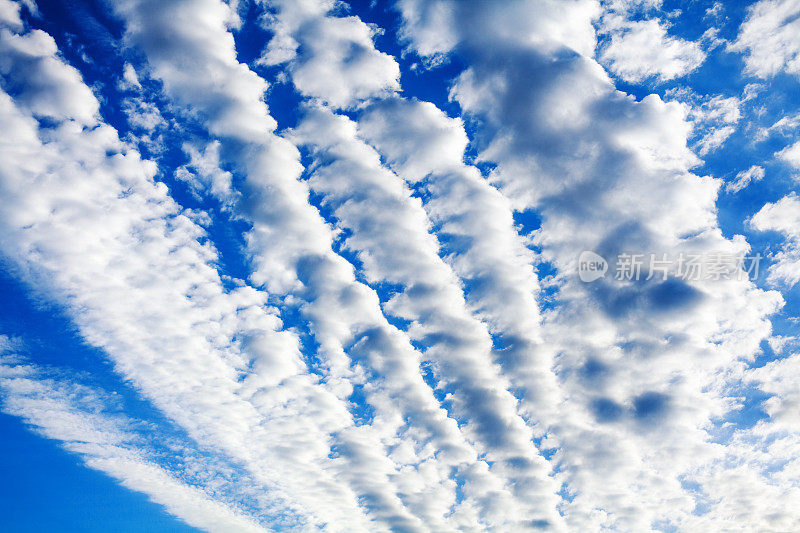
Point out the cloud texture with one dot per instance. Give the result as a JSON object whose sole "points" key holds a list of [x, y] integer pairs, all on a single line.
{"points": [[354, 305]]}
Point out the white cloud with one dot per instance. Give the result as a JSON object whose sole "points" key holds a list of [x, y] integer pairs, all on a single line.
{"points": [[86, 225], [52, 88], [779, 343], [783, 126], [791, 155], [640, 375], [715, 11], [245, 117], [770, 38], [390, 233], [291, 250], [203, 172], [416, 137], [9, 14], [77, 417], [130, 80], [782, 216], [745, 178], [718, 109], [140, 286], [639, 50], [339, 64], [713, 119], [758, 473], [142, 115], [714, 139], [421, 143]]}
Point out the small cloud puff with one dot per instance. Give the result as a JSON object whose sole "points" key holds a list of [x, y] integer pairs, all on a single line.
{"points": [[643, 50], [770, 38]]}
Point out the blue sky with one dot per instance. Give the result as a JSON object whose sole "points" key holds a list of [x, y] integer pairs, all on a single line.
{"points": [[282, 265]]}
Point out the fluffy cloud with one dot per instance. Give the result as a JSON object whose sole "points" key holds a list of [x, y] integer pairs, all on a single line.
{"points": [[610, 174], [40, 82], [791, 155], [439, 27], [782, 216], [9, 14], [389, 232], [291, 248], [783, 126], [639, 50], [426, 148], [339, 64], [714, 119], [203, 171], [244, 117], [140, 286], [770, 38]]}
